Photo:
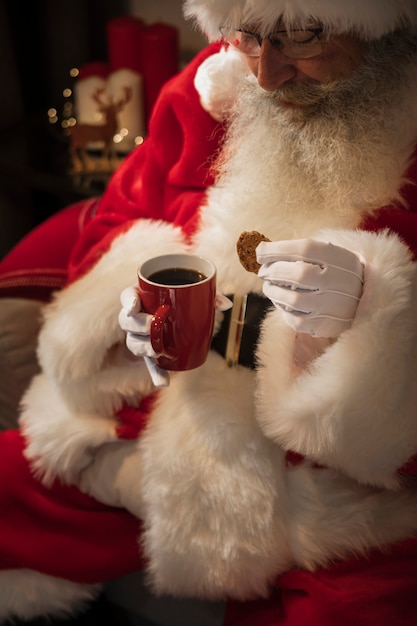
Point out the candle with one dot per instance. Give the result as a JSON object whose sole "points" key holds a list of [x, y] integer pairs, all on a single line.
{"points": [[124, 43], [91, 78], [160, 59], [127, 93], [125, 60]]}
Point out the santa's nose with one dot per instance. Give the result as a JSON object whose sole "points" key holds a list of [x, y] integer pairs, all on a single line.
{"points": [[273, 68]]}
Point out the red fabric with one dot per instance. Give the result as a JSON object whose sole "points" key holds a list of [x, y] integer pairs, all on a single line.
{"points": [[38, 264], [402, 221], [59, 530], [378, 590], [133, 420], [399, 221]]}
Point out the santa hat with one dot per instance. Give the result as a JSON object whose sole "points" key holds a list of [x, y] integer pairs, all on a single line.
{"points": [[370, 19]]}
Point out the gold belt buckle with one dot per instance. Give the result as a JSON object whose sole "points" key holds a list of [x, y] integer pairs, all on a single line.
{"points": [[234, 335]]}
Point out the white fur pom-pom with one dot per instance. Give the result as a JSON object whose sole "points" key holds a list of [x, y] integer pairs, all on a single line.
{"points": [[217, 79]]}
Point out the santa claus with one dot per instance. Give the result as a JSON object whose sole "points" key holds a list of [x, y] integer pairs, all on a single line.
{"points": [[283, 480]]}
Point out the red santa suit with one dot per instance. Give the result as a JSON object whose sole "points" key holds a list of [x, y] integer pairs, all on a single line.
{"points": [[289, 496]]}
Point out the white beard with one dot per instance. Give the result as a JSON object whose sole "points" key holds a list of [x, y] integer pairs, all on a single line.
{"points": [[291, 172]]}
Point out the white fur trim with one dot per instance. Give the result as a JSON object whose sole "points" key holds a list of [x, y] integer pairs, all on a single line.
{"points": [[26, 594], [60, 440], [353, 408], [369, 18], [213, 489], [333, 517], [114, 476], [217, 81]]}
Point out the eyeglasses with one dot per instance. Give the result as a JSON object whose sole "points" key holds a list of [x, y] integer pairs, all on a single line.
{"points": [[294, 44]]}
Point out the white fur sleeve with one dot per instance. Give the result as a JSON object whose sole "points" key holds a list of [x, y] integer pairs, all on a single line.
{"points": [[87, 372], [353, 407], [81, 325]]}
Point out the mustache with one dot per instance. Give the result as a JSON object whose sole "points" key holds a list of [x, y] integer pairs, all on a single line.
{"points": [[331, 94], [300, 94]]}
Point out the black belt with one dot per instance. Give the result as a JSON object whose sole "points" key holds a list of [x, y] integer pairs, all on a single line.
{"points": [[239, 333]]}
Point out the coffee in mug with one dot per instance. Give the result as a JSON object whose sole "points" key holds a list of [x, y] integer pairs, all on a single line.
{"points": [[177, 276]]}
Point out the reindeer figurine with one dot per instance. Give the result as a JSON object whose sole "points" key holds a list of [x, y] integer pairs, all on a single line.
{"points": [[83, 134]]}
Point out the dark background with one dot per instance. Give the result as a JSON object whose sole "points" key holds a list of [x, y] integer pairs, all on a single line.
{"points": [[40, 41]]}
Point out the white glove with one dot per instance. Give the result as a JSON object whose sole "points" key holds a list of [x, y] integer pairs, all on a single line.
{"points": [[113, 477], [315, 284], [135, 323], [136, 326]]}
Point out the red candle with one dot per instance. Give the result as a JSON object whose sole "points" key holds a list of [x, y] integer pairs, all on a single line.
{"points": [[95, 68], [124, 52], [124, 43], [160, 59]]}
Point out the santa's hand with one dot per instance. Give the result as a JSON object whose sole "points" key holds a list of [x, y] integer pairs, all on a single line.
{"points": [[136, 325], [113, 477], [315, 284]]}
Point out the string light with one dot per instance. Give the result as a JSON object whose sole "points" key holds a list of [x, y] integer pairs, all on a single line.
{"points": [[67, 119]]}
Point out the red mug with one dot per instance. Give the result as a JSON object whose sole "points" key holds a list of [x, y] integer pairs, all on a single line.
{"points": [[179, 290]]}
